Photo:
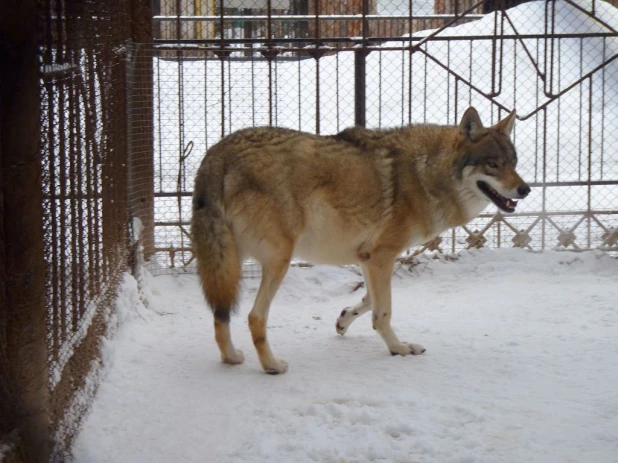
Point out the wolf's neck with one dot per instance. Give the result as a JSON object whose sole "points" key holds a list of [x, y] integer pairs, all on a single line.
{"points": [[472, 203], [432, 153]]}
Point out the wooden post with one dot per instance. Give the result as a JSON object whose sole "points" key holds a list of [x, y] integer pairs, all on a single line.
{"points": [[141, 124], [24, 404]]}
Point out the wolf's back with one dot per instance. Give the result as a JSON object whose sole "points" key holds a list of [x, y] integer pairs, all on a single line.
{"points": [[213, 242]]}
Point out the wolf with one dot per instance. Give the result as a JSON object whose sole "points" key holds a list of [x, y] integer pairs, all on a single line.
{"points": [[361, 197]]}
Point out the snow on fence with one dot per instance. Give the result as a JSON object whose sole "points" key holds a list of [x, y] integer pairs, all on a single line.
{"points": [[555, 62]]}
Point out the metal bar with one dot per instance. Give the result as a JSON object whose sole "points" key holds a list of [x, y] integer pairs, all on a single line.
{"points": [[359, 88], [493, 53], [425, 75], [229, 94], [536, 124], [270, 92], [544, 187], [159, 132], [181, 128], [269, 19], [379, 90], [55, 281], [448, 84], [300, 99], [275, 95], [471, 73], [221, 20], [75, 226], [63, 236], [178, 20], [352, 40], [253, 88], [82, 240], [337, 87], [602, 136], [589, 186], [99, 262], [549, 62], [317, 95], [316, 19], [141, 103], [222, 98], [301, 17], [581, 102], [91, 153], [558, 117], [501, 65]]}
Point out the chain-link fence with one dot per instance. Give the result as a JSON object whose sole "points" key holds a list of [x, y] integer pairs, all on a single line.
{"points": [[555, 62], [65, 174], [84, 160]]}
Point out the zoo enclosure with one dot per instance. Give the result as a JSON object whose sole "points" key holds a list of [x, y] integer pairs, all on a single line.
{"points": [[103, 127]]}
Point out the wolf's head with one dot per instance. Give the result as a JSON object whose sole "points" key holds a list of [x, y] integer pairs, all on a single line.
{"points": [[487, 160]]}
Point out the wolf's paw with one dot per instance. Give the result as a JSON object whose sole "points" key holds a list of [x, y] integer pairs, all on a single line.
{"points": [[277, 367], [406, 348], [236, 359], [340, 328], [345, 319]]}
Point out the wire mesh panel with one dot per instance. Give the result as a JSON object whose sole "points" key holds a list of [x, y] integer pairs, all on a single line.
{"points": [[84, 158], [554, 62]]}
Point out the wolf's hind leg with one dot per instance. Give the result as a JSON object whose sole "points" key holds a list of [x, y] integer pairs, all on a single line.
{"points": [[229, 354], [272, 276], [349, 314], [378, 273]]}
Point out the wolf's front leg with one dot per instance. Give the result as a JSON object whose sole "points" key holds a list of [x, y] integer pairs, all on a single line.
{"points": [[378, 271], [349, 314]]}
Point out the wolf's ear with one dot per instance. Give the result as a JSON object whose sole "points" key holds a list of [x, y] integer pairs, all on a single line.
{"points": [[506, 125], [470, 124]]}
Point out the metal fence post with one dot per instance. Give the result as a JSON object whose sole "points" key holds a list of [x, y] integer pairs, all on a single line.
{"points": [[360, 71], [141, 123], [360, 96], [24, 395]]}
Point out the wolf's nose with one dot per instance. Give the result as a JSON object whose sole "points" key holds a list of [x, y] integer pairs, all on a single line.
{"points": [[523, 190]]}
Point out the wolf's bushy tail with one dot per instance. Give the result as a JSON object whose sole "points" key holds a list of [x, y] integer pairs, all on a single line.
{"points": [[216, 252]]}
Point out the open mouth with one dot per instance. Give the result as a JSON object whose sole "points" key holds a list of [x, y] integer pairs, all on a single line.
{"points": [[506, 204]]}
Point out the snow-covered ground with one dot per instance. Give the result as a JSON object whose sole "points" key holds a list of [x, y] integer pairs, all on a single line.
{"points": [[521, 366]]}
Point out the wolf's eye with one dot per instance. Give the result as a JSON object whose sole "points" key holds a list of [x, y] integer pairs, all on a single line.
{"points": [[492, 164]]}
